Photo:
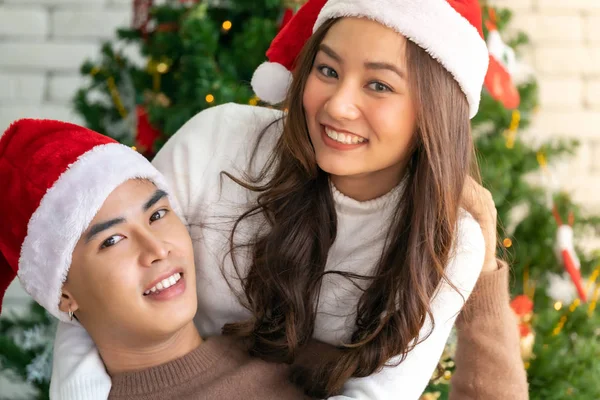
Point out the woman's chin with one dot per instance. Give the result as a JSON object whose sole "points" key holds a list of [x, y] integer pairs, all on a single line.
{"points": [[336, 168]]}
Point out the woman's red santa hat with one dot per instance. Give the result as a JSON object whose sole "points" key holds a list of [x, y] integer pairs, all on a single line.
{"points": [[55, 178], [449, 30]]}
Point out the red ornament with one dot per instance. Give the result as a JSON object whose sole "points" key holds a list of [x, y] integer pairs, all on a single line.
{"points": [[498, 80], [146, 133], [564, 244], [524, 330], [521, 305]]}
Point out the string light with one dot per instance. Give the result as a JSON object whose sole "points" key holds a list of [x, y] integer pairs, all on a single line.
{"points": [[507, 243], [162, 68], [558, 305], [227, 25], [210, 98]]}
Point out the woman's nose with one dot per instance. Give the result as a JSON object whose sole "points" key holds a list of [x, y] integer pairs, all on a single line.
{"points": [[343, 104]]}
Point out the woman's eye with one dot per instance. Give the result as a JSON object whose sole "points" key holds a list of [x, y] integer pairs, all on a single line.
{"points": [[111, 241], [158, 215], [328, 72], [379, 87]]}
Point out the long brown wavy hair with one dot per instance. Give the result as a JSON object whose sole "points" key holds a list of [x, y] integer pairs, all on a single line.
{"points": [[288, 260]]}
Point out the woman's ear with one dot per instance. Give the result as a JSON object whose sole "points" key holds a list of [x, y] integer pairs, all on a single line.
{"points": [[67, 301]]}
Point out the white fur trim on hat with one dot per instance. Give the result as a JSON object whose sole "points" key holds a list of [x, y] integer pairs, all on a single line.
{"points": [[271, 82], [65, 212], [433, 25]]}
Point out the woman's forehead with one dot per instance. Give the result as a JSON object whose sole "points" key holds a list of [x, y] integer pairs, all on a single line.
{"points": [[364, 38]]}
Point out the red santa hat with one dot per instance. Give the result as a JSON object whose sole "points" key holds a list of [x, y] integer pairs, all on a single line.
{"points": [[55, 177], [449, 30]]}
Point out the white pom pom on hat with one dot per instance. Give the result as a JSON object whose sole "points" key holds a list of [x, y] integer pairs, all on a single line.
{"points": [[449, 30], [271, 82]]}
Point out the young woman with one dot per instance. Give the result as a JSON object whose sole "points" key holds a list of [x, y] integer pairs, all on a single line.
{"points": [[341, 219]]}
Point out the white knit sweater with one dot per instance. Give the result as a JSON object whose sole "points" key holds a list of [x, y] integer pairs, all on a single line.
{"points": [[221, 139]]}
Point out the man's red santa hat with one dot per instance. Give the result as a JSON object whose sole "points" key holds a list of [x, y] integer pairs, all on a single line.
{"points": [[449, 30], [55, 177]]}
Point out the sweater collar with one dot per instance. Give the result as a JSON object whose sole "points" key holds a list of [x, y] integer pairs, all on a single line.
{"points": [[170, 374], [348, 205]]}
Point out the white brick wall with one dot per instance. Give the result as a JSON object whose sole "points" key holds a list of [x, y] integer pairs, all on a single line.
{"points": [[565, 44], [42, 45]]}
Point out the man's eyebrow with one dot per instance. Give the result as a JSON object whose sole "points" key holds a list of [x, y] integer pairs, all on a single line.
{"points": [[102, 226], [156, 197]]}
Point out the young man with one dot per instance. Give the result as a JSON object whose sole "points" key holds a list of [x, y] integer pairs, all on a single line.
{"points": [[95, 238]]}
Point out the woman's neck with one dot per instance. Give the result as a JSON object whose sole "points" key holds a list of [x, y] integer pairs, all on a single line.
{"points": [[119, 358], [368, 186]]}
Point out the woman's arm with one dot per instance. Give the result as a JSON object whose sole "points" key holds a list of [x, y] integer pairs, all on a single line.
{"points": [[407, 380], [488, 359], [77, 369]]}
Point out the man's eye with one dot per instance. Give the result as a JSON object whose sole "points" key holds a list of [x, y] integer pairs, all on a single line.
{"points": [[158, 215], [111, 241]]}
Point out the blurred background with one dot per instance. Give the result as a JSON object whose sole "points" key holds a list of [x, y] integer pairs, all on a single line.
{"points": [[537, 134]]}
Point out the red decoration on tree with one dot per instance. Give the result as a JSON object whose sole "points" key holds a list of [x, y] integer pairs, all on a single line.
{"points": [[566, 249], [498, 80], [522, 305], [146, 133], [141, 14]]}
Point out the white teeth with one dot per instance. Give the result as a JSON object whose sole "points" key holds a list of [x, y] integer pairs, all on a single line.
{"points": [[164, 284], [344, 138]]}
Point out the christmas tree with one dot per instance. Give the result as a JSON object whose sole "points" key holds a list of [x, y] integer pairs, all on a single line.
{"points": [[200, 54], [26, 349]]}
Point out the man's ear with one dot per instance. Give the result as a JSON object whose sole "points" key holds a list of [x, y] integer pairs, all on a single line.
{"points": [[67, 301]]}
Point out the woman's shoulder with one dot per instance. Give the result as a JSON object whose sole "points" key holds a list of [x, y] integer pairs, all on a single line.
{"points": [[220, 137], [226, 121]]}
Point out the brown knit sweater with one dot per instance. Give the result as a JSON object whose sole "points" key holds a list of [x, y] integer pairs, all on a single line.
{"points": [[218, 369], [488, 359], [488, 363]]}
